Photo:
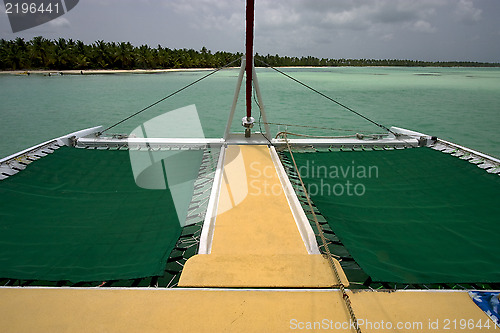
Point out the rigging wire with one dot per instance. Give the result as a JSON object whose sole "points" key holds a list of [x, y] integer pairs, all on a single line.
{"points": [[260, 119], [328, 97], [328, 254], [168, 96]]}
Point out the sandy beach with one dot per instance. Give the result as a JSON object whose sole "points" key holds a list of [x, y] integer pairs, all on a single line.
{"points": [[123, 71]]}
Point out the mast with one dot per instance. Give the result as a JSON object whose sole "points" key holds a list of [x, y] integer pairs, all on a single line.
{"points": [[249, 55], [248, 122]]}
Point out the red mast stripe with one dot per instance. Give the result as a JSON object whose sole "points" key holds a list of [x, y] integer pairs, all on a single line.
{"points": [[249, 55]]}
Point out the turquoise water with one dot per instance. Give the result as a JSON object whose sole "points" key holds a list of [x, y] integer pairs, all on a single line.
{"points": [[457, 104]]}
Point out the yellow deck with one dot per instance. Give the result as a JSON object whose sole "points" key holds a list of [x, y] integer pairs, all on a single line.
{"points": [[262, 223], [256, 243], [170, 310]]}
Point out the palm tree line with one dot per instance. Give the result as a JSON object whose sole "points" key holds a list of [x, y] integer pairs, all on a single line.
{"points": [[62, 54]]}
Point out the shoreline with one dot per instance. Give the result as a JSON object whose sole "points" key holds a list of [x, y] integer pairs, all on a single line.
{"points": [[48, 72]]}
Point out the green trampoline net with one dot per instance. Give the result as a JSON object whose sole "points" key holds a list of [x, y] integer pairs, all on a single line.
{"points": [[79, 216], [409, 216]]}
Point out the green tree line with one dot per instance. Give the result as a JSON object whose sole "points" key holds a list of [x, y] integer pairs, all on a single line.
{"points": [[277, 61], [62, 54]]}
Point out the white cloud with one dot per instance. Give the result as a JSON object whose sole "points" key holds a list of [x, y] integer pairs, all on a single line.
{"points": [[209, 14], [467, 13], [368, 15], [387, 37], [60, 22], [303, 20], [276, 14], [423, 26]]}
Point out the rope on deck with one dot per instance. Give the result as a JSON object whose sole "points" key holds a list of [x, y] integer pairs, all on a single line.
{"points": [[329, 255], [356, 136]]}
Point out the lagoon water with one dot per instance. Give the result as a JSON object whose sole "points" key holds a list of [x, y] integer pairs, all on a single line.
{"points": [[461, 105]]}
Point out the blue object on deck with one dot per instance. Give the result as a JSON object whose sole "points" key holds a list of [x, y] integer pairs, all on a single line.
{"points": [[489, 302]]}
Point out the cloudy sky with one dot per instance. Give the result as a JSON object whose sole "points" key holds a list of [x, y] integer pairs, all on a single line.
{"points": [[467, 30]]}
